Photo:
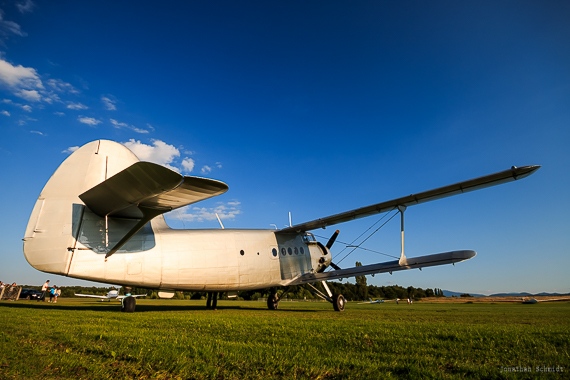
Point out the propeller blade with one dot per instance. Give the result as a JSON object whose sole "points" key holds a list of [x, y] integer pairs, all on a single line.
{"points": [[332, 239], [336, 267]]}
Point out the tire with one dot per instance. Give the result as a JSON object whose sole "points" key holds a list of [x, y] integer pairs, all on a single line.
{"points": [[338, 302], [272, 301], [129, 304]]}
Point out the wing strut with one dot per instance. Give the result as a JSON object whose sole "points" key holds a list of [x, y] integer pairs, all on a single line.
{"points": [[148, 214], [403, 261]]}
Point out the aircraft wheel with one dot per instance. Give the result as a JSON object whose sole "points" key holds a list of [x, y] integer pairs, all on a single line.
{"points": [[338, 302], [272, 301], [128, 305]]}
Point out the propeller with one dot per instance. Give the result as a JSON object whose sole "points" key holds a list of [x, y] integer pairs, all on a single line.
{"points": [[330, 244], [332, 239]]}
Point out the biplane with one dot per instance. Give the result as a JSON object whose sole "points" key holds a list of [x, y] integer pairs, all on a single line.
{"points": [[100, 218]]}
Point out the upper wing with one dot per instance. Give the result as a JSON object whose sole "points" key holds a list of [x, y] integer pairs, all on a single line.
{"points": [[145, 186], [511, 174], [91, 296]]}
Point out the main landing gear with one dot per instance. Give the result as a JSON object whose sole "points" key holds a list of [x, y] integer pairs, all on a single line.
{"points": [[272, 301], [337, 300], [128, 303], [212, 301]]}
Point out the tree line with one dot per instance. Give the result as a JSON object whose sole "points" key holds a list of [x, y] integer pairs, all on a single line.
{"points": [[352, 292]]}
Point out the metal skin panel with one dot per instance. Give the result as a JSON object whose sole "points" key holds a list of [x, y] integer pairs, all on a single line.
{"points": [[200, 260]]}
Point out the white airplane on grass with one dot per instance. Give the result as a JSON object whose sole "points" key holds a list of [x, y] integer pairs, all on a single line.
{"points": [[99, 218], [111, 295], [371, 301]]}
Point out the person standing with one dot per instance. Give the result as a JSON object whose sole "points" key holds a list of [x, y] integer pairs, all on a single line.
{"points": [[45, 287], [52, 293], [57, 294]]}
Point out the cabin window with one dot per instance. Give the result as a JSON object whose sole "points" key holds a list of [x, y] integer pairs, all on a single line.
{"points": [[296, 251], [302, 250], [274, 252], [242, 252], [283, 251], [290, 251]]}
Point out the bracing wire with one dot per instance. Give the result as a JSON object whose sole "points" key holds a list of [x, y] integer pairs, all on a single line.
{"points": [[358, 246]]}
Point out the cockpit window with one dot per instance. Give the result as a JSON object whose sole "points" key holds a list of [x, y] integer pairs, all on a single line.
{"points": [[309, 237]]}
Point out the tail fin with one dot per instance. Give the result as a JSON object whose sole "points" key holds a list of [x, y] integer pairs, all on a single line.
{"points": [[54, 225]]}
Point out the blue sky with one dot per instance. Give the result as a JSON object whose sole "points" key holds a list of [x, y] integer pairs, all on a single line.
{"points": [[312, 108]]}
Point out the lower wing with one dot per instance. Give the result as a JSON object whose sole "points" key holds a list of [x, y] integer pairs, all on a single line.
{"points": [[389, 266]]}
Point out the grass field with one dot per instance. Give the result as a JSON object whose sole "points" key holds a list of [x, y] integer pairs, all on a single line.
{"points": [[171, 339]]}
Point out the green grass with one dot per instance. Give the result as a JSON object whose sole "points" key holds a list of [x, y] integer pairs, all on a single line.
{"points": [[171, 339]]}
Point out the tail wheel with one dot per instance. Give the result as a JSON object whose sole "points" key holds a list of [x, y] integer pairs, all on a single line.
{"points": [[128, 305], [272, 301], [338, 302]]}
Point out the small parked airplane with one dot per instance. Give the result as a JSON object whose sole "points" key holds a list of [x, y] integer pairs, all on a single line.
{"points": [[370, 301], [111, 295], [99, 218]]}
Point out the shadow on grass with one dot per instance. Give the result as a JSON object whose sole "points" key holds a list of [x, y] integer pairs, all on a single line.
{"points": [[115, 306]]}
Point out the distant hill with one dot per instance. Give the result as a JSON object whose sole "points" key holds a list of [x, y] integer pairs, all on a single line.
{"points": [[526, 294], [449, 293], [520, 294]]}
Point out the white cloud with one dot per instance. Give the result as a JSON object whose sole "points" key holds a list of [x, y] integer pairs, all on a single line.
{"points": [[76, 106], [61, 86], [226, 211], [19, 77], [25, 6], [38, 133], [71, 149], [188, 164], [117, 124], [8, 28], [88, 120], [30, 95], [120, 125], [26, 108], [25, 83], [5, 113], [205, 169], [108, 103], [159, 152], [25, 120]]}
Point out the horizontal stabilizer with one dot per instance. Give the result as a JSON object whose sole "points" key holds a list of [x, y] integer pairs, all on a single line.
{"points": [[145, 186], [389, 266], [498, 178]]}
